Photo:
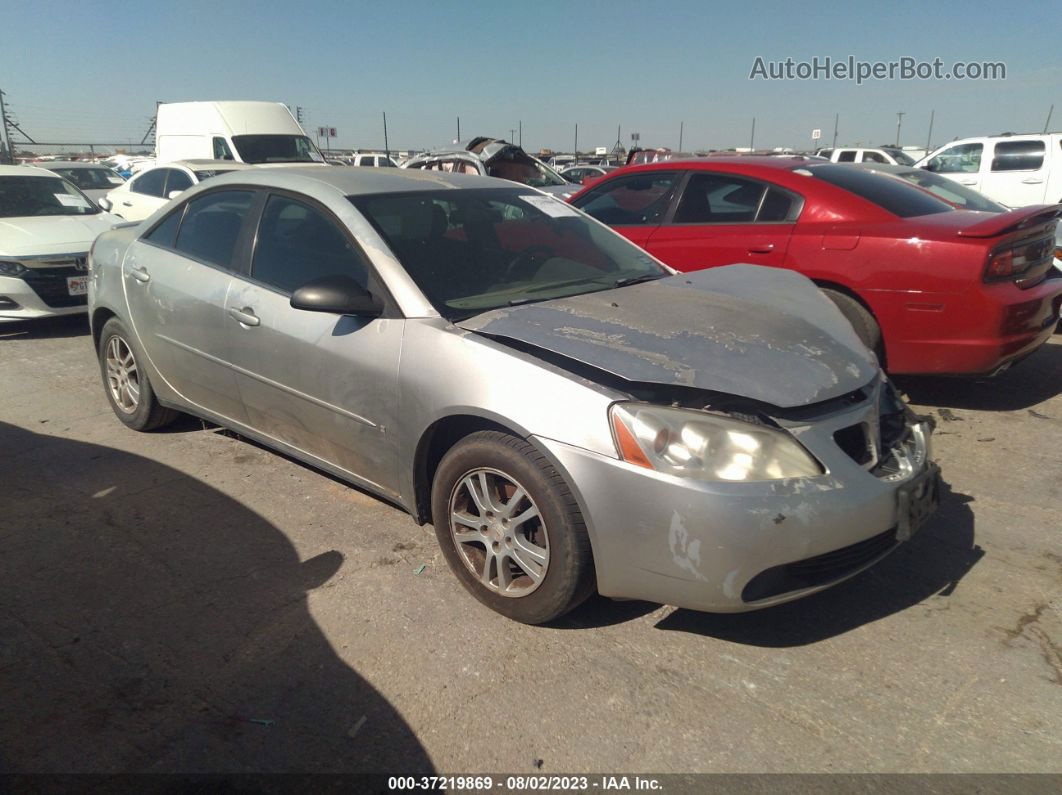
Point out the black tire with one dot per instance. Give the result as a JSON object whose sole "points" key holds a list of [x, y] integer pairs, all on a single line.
{"points": [[569, 574], [148, 414], [866, 327]]}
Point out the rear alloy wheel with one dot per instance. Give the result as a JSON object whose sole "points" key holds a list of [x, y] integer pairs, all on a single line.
{"points": [[510, 528], [864, 324], [126, 383]]}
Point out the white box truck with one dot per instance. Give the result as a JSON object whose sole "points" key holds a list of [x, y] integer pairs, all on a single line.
{"points": [[259, 133]]}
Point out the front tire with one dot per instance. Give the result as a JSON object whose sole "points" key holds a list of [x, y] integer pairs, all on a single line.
{"points": [[126, 383], [510, 528]]}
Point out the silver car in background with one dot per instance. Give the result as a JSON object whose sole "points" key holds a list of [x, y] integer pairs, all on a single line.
{"points": [[570, 414]]}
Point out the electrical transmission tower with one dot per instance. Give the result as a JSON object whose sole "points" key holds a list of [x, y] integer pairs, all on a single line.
{"points": [[7, 124]]}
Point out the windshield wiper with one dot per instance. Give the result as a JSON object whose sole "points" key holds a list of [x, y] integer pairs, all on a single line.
{"points": [[645, 277]]}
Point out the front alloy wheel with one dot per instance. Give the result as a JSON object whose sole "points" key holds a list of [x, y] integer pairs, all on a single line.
{"points": [[499, 532]]}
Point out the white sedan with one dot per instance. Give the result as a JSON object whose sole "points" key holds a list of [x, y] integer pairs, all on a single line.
{"points": [[152, 188], [47, 227]]}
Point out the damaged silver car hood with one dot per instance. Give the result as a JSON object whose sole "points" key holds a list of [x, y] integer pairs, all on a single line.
{"points": [[762, 333]]}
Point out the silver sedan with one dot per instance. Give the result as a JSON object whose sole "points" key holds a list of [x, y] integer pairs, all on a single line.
{"points": [[570, 414]]}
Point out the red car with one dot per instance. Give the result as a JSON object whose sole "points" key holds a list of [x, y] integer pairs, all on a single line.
{"points": [[931, 288]]}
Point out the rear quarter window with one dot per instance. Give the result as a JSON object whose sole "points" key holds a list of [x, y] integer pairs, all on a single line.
{"points": [[892, 195]]}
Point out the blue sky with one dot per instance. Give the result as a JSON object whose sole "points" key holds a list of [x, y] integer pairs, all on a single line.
{"points": [[93, 70]]}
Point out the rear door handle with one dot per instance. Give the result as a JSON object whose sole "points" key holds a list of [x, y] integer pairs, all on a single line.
{"points": [[764, 249], [1032, 181], [967, 181], [140, 274], [127, 204], [246, 316]]}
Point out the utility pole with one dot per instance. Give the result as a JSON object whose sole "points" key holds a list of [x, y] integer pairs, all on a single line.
{"points": [[752, 138], [929, 138], [575, 148], [387, 149], [682, 124], [512, 135], [836, 119], [7, 152], [899, 122], [521, 141], [458, 128], [1048, 122]]}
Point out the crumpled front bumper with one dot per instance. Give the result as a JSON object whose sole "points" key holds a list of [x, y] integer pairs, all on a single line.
{"points": [[703, 545]]}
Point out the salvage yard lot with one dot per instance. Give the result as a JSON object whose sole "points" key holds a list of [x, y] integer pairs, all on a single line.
{"points": [[189, 601]]}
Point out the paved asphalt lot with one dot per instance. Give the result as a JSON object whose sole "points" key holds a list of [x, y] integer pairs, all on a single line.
{"points": [[188, 601]]}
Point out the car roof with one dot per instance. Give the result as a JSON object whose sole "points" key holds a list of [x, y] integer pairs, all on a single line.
{"points": [[70, 164], [25, 171], [779, 162], [357, 182], [888, 168], [194, 164]]}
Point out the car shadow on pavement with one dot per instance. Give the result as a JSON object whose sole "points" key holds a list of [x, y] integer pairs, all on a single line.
{"points": [[55, 327], [1026, 384], [151, 623], [930, 565]]}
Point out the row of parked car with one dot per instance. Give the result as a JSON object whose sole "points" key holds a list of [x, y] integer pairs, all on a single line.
{"points": [[571, 408]]}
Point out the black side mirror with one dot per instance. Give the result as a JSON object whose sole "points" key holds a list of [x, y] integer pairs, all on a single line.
{"points": [[339, 295]]}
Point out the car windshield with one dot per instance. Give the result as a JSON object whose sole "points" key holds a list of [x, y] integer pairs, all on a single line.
{"points": [[890, 194], [470, 251], [951, 191], [276, 149], [90, 178], [32, 195], [514, 165], [211, 172]]}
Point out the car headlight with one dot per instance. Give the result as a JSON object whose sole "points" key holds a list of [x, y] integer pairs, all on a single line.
{"points": [[696, 444], [8, 268]]}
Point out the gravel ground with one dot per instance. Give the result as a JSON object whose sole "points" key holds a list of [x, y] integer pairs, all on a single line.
{"points": [[186, 600]]}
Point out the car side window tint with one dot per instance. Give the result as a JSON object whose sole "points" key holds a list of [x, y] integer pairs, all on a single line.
{"points": [[873, 157], [1018, 156], [719, 199], [298, 244], [776, 207], [635, 200], [177, 180], [150, 183], [958, 159], [165, 232], [211, 226], [221, 149], [846, 156]]}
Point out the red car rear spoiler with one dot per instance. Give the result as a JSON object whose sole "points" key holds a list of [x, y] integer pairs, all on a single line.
{"points": [[1014, 220]]}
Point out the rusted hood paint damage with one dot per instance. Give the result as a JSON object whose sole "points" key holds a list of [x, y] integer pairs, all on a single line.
{"points": [[762, 333]]}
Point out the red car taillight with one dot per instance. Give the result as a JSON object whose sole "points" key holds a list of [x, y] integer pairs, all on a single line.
{"points": [[1012, 261]]}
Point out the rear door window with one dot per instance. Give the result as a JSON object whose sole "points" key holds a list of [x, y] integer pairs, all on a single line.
{"points": [[150, 183], [212, 226], [846, 156], [873, 157], [1018, 156], [177, 180], [636, 200], [297, 244], [719, 199]]}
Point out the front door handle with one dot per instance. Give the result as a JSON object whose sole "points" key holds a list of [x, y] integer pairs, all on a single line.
{"points": [[127, 204], [967, 181], [140, 274], [1032, 181], [764, 249], [246, 316]]}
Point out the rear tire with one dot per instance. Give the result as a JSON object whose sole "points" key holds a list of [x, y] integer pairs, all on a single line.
{"points": [[531, 570], [126, 383], [864, 324]]}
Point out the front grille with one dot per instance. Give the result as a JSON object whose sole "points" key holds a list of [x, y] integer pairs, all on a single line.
{"points": [[819, 570], [50, 285]]}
